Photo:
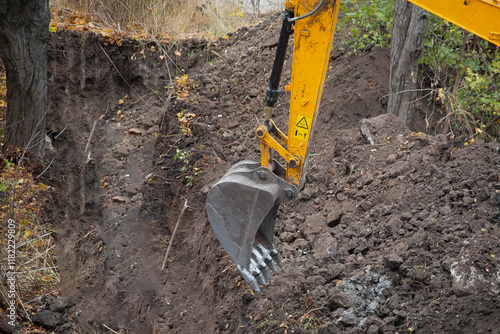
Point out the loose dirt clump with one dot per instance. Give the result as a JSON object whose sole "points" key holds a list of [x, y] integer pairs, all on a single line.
{"points": [[395, 231]]}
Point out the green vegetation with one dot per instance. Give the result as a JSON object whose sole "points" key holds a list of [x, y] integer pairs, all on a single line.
{"points": [[368, 22], [183, 156], [464, 72], [461, 71]]}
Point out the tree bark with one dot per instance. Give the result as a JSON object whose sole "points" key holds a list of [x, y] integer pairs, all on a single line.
{"points": [[24, 37], [407, 40]]}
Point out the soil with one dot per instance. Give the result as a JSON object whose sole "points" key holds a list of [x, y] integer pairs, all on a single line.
{"points": [[395, 232]]}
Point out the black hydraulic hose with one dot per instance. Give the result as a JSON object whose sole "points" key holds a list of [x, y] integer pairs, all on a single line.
{"points": [[308, 14], [279, 59], [286, 30]]}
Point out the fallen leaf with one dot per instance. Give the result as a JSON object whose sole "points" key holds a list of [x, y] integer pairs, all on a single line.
{"points": [[178, 54]]}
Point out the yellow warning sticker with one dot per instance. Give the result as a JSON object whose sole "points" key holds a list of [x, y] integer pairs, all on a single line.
{"points": [[302, 128]]}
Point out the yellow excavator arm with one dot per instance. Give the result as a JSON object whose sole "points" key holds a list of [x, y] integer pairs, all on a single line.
{"points": [[242, 206], [480, 17], [312, 44], [313, 39]]}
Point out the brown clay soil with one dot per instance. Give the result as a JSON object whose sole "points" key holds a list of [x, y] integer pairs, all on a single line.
{"points": [[395, 232]]}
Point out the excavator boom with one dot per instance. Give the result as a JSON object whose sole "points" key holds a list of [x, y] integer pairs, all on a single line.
{"points": [[480, 17], [242, 206]]}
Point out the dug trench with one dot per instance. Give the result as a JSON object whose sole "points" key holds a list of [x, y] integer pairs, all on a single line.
{"points": [[394, 232]]}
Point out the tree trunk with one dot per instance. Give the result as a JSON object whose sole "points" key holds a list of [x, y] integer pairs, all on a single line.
{"points": [[407, 40], [24, 37]]}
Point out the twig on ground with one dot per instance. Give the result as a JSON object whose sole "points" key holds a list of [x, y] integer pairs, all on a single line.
{"points": [[171, 147], [113, 331], [22, 305], [216, 156], [215, 53], [60, 133], [90, 137], [18, 245], [310, 311], [173, 234], [46, 168], [18, 165]]}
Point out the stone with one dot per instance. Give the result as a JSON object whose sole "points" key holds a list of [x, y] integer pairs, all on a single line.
{"points": [[135, 131], [373, 329], [49, 320], [393, 261]]}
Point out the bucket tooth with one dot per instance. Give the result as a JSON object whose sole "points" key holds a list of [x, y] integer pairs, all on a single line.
{"points": [[261, 264], [261, 279], [277, 257], [249, 278], [266, 273], [267, 257], [265, 254], [258, 258]]}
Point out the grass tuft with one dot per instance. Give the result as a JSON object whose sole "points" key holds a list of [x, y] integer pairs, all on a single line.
{"points": [[178, 18]]}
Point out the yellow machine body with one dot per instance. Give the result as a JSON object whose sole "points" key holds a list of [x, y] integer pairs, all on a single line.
{"points": [[312, 46], [480, 17], [313, 39]]}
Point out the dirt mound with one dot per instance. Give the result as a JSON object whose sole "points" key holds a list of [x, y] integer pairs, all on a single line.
{"points": [[394, 232]]}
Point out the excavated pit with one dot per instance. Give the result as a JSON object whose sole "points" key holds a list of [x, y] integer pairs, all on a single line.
{"points": [[387, 237]]}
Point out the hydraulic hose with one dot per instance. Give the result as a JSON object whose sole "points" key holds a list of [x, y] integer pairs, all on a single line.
{"points": [[279, 59], [308, 14], [286, 30]]}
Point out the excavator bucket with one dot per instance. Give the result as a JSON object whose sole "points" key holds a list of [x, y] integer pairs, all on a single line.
{"points": [[242, 207]]}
